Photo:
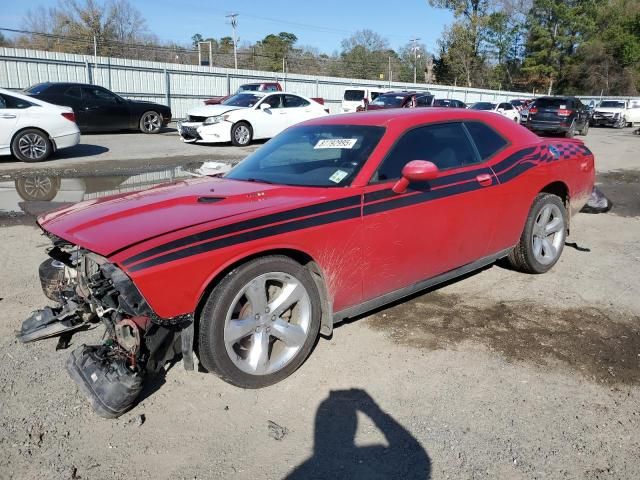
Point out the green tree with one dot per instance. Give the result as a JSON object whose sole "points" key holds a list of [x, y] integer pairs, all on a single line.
{"points": [[365, 55], [274, 49]]}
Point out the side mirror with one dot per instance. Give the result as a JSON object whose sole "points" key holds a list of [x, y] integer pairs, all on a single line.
{"points": [[415, 171], [265, 106]]}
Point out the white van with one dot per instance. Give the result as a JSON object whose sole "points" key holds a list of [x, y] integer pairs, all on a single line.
{"points": [[358, 97]]}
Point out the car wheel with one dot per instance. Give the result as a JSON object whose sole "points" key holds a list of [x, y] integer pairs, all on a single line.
{"points": [[150, 122], [620, 123], [572, 130], [543, 237], [37, 188], [585, 129], [260, 323], [31, 145], [241, 134]]}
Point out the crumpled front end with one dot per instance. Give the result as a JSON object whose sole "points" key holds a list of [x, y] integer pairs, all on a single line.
{"points": [[88, 290]]}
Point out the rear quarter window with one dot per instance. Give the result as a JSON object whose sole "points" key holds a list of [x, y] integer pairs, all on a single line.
{"points": [[487, 140]]}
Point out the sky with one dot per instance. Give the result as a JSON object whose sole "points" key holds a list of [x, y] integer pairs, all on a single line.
{"points": [[320, 24]]}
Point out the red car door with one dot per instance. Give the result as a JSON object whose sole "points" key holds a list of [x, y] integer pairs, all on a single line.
{"points": [[434, 226]]}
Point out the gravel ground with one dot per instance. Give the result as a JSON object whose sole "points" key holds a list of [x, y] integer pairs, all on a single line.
{"points": [[497, 375]]}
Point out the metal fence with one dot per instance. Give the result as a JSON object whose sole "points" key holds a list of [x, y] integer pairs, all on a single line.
{"points": [[183, 87]]}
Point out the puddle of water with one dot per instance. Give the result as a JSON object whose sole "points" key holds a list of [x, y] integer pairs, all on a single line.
{"points": [[600, 345], [24, 197], [622, 187]]}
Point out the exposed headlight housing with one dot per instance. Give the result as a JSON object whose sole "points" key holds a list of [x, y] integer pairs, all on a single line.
{"points": [[214, 120]]}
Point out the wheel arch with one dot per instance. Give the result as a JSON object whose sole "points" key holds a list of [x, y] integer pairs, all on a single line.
{"points": [[303, 258], [49, 137]]}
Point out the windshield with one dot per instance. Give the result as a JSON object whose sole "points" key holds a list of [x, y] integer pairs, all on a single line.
{"points": [[483, 106], [314, 156], [517, 103], [611, 104], [389, 100], [353, 95], [249, 87], [242, 100]]}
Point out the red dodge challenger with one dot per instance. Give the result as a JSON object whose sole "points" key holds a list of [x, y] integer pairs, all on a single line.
{"points": [[330, 219]]}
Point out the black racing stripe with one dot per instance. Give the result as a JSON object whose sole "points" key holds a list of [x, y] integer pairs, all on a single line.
{"points": [[407, 200], [245, 225], [512, 159], [514, 172], [443, 181], [249, 236]]}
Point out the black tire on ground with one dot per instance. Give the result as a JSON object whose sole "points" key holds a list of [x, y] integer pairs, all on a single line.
{"points": [[241, 134], [522, 257], [38, 188], [31, 145], [585, 129], [212, 351], [150, 122], [572, 130]]}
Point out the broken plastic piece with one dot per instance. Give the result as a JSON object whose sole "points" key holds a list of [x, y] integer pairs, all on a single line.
{"points": [[104, 375], [597, 203], [49, 322]]}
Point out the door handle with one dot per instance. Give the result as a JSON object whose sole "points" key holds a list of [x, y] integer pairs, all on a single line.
{"points": [[484, 179], [7, 115]]}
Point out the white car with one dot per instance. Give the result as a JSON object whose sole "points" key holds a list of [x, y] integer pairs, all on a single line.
{"points": [[247, 116], [617, 113], [505, 109], [31, 129]]}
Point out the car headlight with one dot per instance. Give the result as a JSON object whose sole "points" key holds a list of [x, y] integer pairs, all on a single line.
{"points": [[214, 120]]}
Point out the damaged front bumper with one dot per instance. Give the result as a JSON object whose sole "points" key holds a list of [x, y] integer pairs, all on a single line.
{"points": [[90, 290]]}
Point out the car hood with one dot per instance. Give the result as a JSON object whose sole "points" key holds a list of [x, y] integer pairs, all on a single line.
{"points": [[212, 110], [112, 224]]}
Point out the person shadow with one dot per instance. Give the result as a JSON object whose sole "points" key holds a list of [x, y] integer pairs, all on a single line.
{"points": [[336, 456]]}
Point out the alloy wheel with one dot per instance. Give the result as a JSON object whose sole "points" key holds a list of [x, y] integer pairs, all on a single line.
{"points": [[242, 134], [267, 323], [548, 234], [151, 122], [32, 146], [37, 188]]}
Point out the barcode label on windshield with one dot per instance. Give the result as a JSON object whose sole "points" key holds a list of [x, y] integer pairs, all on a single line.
{"points": [[336, 143]]}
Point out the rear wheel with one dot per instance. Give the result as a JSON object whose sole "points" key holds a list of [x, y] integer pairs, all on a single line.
{"points": [[572, 130], [31, 145], [542, 239], [241, 134], [150, 122], [260, 323]]}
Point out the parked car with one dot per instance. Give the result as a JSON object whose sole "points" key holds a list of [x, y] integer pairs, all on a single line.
{"points": [[505, 109], [31, 130], [448, 103], [248, 87], [403, 99], [520, 103], [247, 116], [616, 113], [565, 115], [100, 110], [283, 246], [358, 98]]}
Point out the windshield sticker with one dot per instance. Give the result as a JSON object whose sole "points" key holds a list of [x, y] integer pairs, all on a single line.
{"points": [[338, 176], [336, 143]]}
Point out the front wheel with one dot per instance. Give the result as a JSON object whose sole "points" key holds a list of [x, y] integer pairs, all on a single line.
{"points": [[260, 323], [241, 134], [542, 239], [150, 122]]}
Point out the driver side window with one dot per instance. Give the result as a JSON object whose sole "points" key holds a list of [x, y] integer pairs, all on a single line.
{"points": [[99, 96], [274, 101], [446, 145]]}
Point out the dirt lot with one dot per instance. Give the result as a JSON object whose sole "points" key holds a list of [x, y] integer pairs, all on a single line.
{"points": [[497, 375]]}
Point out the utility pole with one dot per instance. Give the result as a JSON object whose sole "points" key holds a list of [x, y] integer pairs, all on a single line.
{"points": [[234, 24], [415, 49], [389, 78]]}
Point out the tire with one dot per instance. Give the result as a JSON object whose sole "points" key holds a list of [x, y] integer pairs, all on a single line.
{"points": [[150, 122], [585, 129], [37, 188], [572, 130], [620, 123], [524, 257], [31, 145], [241, 134], [236, 317]]}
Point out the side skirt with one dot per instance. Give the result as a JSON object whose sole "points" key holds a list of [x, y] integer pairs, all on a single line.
{"points": [[416, 287]]}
